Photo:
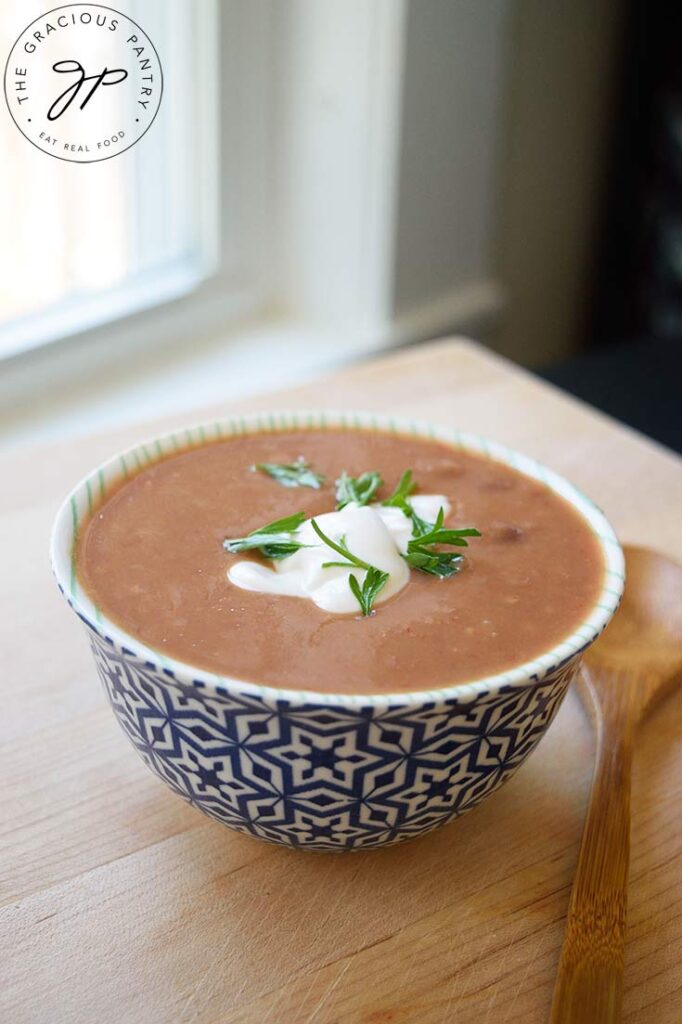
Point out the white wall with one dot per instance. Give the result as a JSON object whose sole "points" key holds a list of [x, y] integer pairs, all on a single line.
{"points": [[453, 82], [335, 103]]}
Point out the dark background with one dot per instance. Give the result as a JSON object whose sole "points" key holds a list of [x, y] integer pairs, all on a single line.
{"points": [[631, 366]]}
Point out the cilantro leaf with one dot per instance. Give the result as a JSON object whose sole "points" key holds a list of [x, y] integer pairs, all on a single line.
{"points": [[274, 540], [423, 554], [360, 489], [375, 580], [402, 492], [291, 474]]}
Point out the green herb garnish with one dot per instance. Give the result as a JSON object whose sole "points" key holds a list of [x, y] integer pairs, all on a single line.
{"points": [[292, 474], [273, 541], [420, 526], [360, 489], [375, 579], [422, 553], [341, 549], [366, 595], [402, 492], [398, 499]]}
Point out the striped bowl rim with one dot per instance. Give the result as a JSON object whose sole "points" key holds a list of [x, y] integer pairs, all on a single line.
{"points": [[92, 488]]}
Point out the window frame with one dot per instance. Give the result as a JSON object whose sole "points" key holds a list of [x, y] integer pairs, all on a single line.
{"points": [[308, 153]]}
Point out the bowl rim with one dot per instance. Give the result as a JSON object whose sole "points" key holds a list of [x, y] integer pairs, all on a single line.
{"points": [[81, 500]]}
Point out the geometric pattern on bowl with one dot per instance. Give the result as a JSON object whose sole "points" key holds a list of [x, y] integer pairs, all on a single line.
{"points": [[325, 777]]}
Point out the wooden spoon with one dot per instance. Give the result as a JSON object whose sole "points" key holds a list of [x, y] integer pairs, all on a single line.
{"points": [[636, 660]]}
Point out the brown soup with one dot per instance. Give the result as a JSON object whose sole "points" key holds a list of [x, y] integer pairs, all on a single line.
{"points": [[152, 558]]}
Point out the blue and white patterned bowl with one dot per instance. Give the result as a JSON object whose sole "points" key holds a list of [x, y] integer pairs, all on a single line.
{"points": [[326, 771]]}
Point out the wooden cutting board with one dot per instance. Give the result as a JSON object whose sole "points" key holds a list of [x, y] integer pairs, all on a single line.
{"points": [[120, 904]]}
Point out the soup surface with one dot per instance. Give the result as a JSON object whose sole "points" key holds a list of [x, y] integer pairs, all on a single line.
{"points": [[152, 558]]}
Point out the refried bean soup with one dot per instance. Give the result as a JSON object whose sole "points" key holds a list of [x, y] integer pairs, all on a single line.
{"points": [[339, 560]]}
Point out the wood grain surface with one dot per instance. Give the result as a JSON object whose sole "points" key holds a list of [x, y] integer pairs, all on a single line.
{"points": [[118, 903]]}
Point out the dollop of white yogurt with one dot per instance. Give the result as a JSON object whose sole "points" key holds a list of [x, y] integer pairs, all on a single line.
{"points": [[377, 534]]}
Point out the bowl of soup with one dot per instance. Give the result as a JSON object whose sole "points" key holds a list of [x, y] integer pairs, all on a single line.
{"points": [[334, 631]]}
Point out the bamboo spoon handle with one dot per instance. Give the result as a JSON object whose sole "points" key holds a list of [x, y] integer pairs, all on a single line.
{"points": [[589, 981]]}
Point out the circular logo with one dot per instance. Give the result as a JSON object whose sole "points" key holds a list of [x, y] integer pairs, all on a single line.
{"points": [[83, 82]]}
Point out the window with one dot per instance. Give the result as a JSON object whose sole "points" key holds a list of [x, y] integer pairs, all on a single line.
{"points": [[299, 151], [107, 239]]}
